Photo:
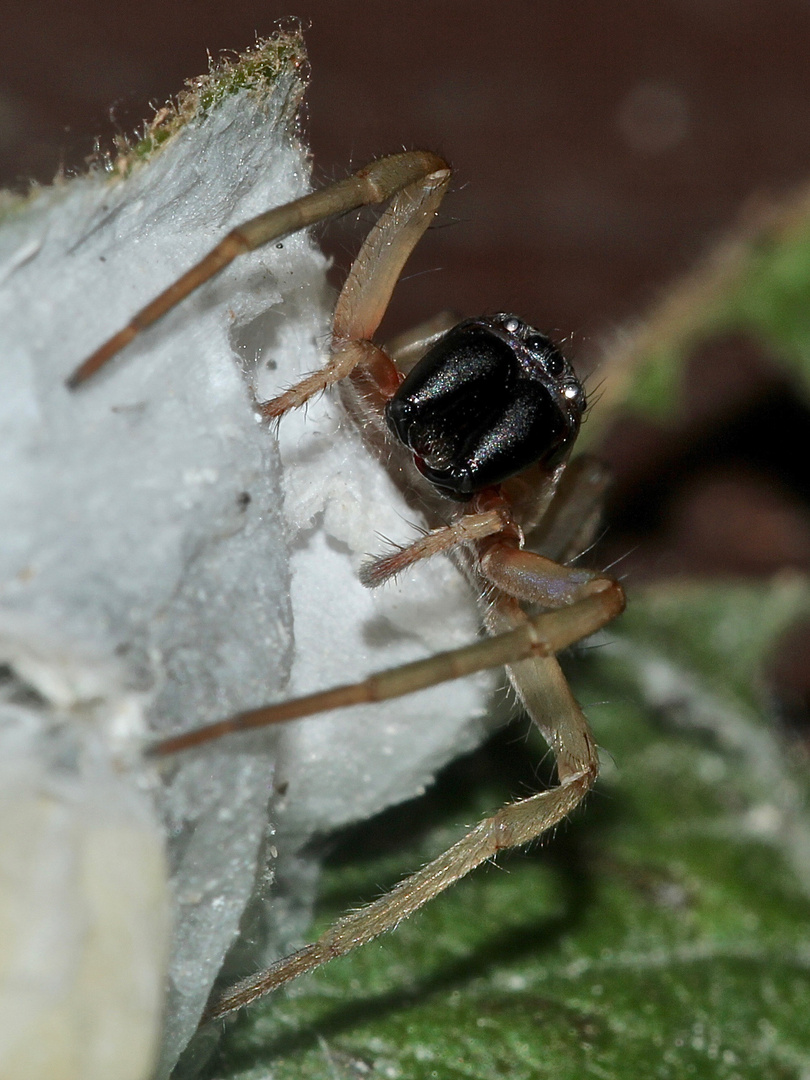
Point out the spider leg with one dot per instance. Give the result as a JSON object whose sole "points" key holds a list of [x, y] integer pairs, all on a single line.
{"points": [[532, 636], [468, 528], [533, 578], [576, 602], [519, 575], [572, 520], [545, 690], [560, 512], [376, 183], [367, 291], [516, 575], [489, 514], [544, 693]]}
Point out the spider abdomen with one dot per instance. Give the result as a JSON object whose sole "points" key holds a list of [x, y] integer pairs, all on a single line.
{"points": [[490, 398]]}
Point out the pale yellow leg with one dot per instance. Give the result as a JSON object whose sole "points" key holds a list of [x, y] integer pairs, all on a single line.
{"points": [[552, 706], [469, 528], [367, 290], [376, 183]]}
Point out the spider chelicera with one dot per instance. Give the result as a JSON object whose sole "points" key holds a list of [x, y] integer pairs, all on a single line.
{"points": [[488, 413]]}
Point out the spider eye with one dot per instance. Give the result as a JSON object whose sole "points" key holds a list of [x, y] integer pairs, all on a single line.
{"points": [[538, 342], [573, 392], [554, 363]]}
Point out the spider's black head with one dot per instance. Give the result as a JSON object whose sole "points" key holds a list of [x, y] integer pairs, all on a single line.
{"points": [[490, 398]]}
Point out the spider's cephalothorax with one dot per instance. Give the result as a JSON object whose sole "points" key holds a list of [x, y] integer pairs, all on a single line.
{"points": [[491, 397]]}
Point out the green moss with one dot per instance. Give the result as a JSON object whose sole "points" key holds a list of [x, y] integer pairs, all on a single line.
{"points": [[257, 70]]}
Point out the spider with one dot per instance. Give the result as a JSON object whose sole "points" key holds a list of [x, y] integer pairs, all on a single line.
{"points": [[484, 415]]}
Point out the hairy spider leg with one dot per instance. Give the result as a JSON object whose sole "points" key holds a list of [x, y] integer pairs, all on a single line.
{"points": [[375, 183], [543, 689], [576, 603], [536, 635], [517, 575], [366, 294], [487, 518], [565, 527]]}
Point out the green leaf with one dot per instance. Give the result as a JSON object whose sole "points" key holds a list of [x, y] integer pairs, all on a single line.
{"points": [[756, 283], [770, 298], [665, 932]]}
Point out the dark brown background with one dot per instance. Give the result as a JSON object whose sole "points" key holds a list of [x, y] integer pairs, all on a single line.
{"points": [[599, 149]]}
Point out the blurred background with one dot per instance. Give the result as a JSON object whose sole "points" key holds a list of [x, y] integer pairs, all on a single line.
{"points": [[599, 151]]}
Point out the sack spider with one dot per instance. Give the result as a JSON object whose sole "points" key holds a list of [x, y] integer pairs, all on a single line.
{"points": [[488, 415]]}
